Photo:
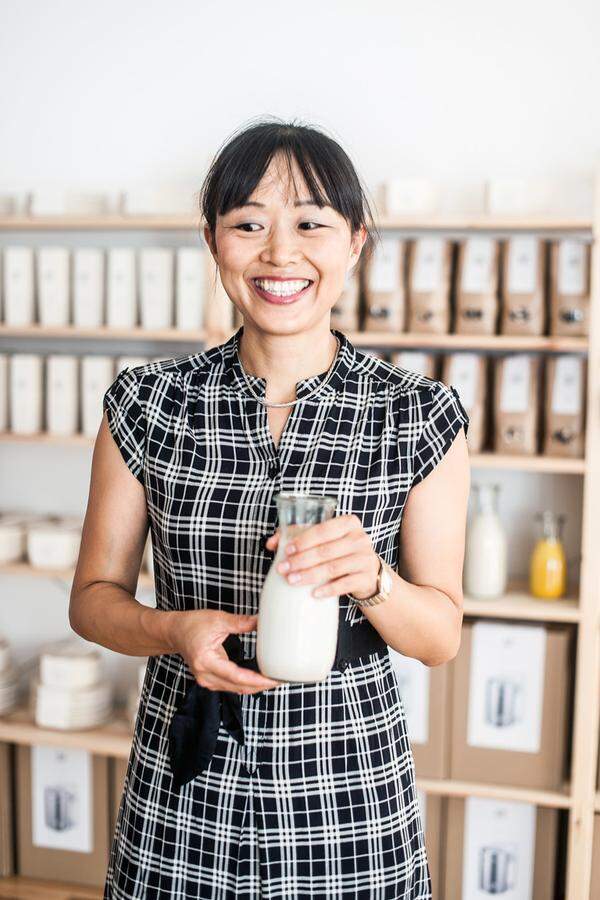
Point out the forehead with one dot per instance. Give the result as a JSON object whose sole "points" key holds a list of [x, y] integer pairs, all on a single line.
{"points": [[280, 186]]}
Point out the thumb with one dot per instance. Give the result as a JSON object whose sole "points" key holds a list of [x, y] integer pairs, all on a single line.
{"points": [[240, 623]]}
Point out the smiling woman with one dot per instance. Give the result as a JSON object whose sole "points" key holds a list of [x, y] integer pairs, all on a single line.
{"points": [[301, 789]]}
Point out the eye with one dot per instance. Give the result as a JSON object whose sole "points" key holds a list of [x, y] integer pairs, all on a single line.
{"points": [[246, 225], [316, 224]]}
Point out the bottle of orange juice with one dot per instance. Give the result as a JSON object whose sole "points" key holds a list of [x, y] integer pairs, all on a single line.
{"points": [[548, 568]]}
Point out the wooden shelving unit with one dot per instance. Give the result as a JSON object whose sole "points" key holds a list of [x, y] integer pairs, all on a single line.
{"points": [[580, 798]]}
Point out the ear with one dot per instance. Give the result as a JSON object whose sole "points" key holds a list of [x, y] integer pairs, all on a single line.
{"points": [[356, 244], [209, 240]]}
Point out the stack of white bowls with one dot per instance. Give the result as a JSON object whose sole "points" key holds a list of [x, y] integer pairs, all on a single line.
{"points": [[53, 543], [69, 692], [9, 679], [135, 693]]}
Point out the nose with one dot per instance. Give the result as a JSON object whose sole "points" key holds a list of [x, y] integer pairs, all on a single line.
{"points": [[281, 246]]}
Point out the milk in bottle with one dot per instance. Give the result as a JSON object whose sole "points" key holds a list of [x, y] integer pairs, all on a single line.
{"points": [[296, 635]]}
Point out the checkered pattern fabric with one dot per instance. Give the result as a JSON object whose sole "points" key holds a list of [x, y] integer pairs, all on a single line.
{"points": [[321, 801]]}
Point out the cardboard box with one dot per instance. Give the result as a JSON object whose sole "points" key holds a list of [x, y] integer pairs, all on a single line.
{"points": [[516, 404], [19, 307], [510, 704], [416, 361], [55, 863], [432, 816], [385, 289], [477, 281], [467, 372], [88, 287], [62, 394], [6, 812], [156, 287], [96, 377], [121, 295], [498, 862], [26, 386], [53, 281], [564, 419], [429, 279], [190, 283], [595, 882], [523, 286], [345, 313], [425, 693], [570, 286]]}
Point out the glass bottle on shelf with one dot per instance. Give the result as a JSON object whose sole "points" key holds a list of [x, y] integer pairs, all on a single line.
{"points": [[485, 569], [548, 567]]}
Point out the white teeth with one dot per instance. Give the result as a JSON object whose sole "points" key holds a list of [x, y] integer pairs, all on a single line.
{"points": [[281, 288]]}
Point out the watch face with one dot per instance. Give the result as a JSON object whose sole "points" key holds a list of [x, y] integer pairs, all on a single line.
{"points": [[386, 580]]}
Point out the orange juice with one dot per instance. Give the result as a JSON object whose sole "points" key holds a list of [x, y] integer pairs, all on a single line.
{"points": [[548, 567]]}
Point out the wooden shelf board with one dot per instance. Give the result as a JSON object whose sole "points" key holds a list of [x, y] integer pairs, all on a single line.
{"points": [[25, 570], [102, 333], [495, 342], [519, 604], [550, 464], [18, 888], [183, 222], [447, 787], [163, 222], [541, 464], [112, 739], [380, 339]]}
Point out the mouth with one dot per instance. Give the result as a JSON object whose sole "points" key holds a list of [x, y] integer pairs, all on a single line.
{"points": [[281, 292]]}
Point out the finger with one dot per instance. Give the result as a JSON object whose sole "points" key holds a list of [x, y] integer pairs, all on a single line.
{"points": [[330, 530], [239, 675], [336, 549], [240, 623]]}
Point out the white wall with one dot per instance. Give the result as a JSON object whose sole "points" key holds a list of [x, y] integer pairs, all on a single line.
{"points": [[116, 94]]}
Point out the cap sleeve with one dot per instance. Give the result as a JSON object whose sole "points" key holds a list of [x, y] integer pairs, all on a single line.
{"points": [[126, 420], [443, 415]]}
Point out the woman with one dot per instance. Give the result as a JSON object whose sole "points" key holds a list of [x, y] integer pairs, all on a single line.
{"points": [[302, 789]]}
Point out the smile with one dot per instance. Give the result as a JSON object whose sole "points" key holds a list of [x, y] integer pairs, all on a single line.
{"points": [[281, 291]]}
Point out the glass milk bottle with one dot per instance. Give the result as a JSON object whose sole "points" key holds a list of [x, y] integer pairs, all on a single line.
{"points": [[296, 635], [485, 571], [548, 567]]}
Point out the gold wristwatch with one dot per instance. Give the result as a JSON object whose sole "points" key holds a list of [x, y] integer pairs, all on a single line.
{"points": [[384, 587]]}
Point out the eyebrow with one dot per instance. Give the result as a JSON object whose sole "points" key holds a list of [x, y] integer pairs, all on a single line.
{"points": [[297, 203]]}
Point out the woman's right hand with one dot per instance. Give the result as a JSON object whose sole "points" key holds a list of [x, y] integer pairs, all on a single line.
{"points": [[198, 636]]}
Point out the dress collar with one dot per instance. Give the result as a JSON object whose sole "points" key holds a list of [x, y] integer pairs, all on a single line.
{"points": [[234, 374]]}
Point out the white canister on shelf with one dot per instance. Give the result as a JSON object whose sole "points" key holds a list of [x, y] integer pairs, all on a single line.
{"points": [[53, 286], [62, 394], [19, 305], [13, 539], [156, 287], [26, 393], [3, 392], [190, 282], [53, 545], [70, 663], [486, 554], [96, 378], [88, 287], [129, 362], [121, 302]]}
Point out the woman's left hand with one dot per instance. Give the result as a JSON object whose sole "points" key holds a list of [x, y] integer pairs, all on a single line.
{"points": [[336, 554]]}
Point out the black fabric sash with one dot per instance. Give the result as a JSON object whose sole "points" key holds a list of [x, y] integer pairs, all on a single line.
{"points": [[194, 727]]}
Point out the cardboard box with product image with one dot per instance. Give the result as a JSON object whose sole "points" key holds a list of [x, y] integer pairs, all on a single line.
{"points": [[511, 700]]}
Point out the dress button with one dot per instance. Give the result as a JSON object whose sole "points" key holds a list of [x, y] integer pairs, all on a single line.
{"points": [[342, 664], [273, 469]]}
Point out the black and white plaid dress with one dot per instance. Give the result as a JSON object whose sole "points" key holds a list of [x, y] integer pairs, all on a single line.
{"points": [[321, 801]]}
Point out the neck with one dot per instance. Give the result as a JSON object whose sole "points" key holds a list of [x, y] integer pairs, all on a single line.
{"points": [[285, 359]]}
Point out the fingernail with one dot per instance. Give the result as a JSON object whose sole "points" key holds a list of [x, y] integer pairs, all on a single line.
{"points": [[290, 548]]}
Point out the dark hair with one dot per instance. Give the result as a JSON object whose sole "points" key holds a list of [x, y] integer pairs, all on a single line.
{"points": [[243, 159]]}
